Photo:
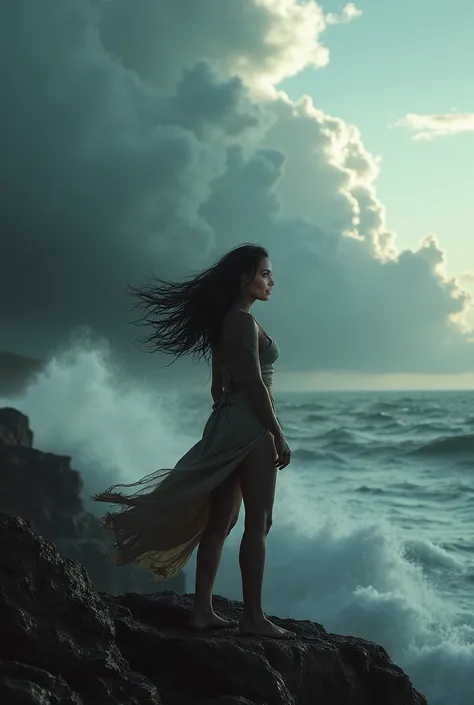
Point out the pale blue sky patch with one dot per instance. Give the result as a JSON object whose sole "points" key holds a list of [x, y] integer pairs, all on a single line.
{"points": [[408, 59]]}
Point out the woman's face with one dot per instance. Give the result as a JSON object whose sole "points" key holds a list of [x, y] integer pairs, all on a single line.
{"points": [[261, 285]]}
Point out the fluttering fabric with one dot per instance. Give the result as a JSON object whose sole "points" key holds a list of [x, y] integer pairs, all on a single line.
{"points": [[161, 518]]}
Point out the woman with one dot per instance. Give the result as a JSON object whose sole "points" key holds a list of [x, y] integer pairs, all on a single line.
{"points": [[197, 502]]}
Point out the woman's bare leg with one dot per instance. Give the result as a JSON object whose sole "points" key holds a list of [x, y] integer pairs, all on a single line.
{"points": [[257, 474], [226, 501]]}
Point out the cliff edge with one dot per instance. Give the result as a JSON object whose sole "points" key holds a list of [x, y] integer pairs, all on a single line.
{"points": [[64, 643]]}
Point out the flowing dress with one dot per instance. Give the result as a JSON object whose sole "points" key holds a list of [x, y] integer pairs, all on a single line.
{"points": [[158, 525]]}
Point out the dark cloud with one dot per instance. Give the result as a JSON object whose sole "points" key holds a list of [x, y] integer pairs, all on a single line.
{"points": [[209, 106], [101, 176], [128, 148]]}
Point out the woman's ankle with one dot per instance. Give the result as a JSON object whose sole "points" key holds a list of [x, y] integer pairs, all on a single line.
{"points": [[253, 614], [203, 607]]}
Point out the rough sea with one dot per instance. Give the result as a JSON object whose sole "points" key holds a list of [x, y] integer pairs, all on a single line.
{"points": [[373, 530]]}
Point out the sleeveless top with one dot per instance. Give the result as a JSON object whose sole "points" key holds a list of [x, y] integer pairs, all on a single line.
{"points": [[267, 357]]}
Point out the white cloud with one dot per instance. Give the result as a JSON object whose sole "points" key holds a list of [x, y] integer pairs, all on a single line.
{"points": [[329, 175], [349, 13], [428, 127], [467, 277]]}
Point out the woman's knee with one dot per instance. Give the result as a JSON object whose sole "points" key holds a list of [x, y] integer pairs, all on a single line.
{"points": [[260, 522], [231, 524], [223, 525]]}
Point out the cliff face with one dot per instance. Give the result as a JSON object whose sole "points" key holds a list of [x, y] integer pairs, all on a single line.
{"points": [[64, 643], [43, 488]]}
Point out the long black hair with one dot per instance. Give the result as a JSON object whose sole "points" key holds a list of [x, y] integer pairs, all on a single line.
{"points": [[186, 316]]}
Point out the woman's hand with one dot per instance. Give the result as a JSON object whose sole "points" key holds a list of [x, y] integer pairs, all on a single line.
{"points": [[283, 451]]}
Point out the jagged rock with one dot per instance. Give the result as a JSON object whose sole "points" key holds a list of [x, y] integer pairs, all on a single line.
{"points": [[43, 488], [15, 429], [64, 643], [58, 638]]}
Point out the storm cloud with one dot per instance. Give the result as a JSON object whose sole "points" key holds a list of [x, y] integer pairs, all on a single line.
{"points": [[150, 137]]}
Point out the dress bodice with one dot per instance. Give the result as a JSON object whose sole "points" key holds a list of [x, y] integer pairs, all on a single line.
{"points": [[267, 358]]}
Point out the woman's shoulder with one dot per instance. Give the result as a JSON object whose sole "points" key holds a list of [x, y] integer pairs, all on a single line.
{"points": [[239, 317], [237, 321]]}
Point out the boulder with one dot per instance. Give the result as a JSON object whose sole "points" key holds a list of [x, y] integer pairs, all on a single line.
{"points": [[58, 642], [63, 642]]}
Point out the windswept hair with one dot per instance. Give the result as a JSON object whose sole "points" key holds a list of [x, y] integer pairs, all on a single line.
{"points": [[186, 316]]}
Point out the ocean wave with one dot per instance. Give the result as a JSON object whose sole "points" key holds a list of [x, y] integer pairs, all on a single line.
{"points": [[387, 404], [303, 406], [338, 435], [430, 555], [408, 486], [315, 418], [378, 416], [431, 427], [306, 455], [449, 445], [380, 421], [364, 489]]}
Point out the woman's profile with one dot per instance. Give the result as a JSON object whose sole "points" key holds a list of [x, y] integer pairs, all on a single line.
{"points": [[164, 516]]}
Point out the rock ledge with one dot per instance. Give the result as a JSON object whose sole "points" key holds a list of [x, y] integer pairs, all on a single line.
{"points": [[65, 643]]}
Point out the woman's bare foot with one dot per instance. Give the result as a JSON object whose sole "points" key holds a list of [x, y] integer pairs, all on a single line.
{"points": [[209, 620], [264, 627]]}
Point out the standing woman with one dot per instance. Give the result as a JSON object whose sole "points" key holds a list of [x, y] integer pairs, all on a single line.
{"points": [[165, 515]]}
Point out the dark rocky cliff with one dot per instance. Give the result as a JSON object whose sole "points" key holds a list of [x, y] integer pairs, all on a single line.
{"points": [[43, 488], [64, 643]]}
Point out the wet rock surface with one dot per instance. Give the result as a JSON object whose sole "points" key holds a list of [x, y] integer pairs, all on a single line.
{"points": [[66, 643]]}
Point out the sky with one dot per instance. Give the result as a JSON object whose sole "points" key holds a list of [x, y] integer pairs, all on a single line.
{"points": [[399, 59], [150, 139]]}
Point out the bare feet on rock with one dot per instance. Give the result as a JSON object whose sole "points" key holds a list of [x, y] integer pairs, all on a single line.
{"points": [[209, 620], [263, 627]]}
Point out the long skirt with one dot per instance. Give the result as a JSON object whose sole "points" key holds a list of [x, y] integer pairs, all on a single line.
{"points": [[161, 518]]}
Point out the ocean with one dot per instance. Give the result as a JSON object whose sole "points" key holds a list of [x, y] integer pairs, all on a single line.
{"points": [[373, 530]]}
